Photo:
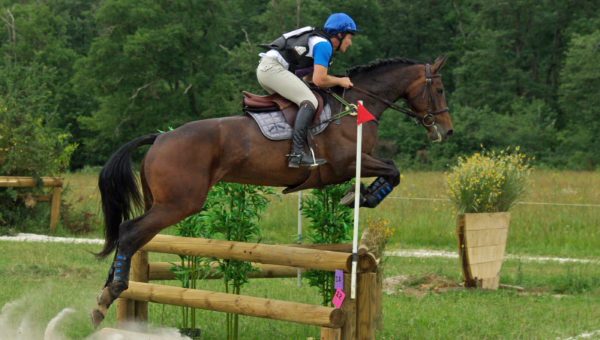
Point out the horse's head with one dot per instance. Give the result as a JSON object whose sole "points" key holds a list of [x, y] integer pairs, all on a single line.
{"points": [[425, 96]]}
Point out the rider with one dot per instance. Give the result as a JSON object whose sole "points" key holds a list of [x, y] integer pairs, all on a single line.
{"points": [[305, 54]]}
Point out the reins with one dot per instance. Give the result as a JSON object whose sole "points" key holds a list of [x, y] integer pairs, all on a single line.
{"points": [[429, 116]]}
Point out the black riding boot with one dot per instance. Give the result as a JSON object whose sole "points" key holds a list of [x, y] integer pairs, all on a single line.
{"points": [[297, 156]]}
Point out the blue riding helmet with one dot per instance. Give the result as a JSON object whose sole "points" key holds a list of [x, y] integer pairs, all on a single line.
{"points": [[339, 23]]}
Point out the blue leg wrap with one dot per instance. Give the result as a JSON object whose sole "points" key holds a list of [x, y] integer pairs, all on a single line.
{"points": [[376, 192], [121, 266]]}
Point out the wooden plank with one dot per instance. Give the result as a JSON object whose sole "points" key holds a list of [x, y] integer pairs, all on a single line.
{"points": [[488, 237], [237, 304], [485, 270], [485, 254], [26, 181], [480, 221], [489, 283], [462, 250]]}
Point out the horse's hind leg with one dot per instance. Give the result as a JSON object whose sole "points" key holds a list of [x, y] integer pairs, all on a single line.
{"points": [[133, 234]]}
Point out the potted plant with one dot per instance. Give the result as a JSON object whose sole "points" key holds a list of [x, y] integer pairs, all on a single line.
{"points": [[483, 187]]}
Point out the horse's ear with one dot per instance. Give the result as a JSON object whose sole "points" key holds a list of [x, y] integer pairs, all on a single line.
{"points": [[438, 63]]}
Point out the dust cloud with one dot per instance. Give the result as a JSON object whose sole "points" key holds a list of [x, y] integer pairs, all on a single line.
{"points": [[18, 321]]}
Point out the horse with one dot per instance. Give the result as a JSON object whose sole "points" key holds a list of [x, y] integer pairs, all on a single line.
{"points": [[182, 165]]}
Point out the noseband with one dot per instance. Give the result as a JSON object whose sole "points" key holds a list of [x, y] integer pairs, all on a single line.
{"points": [[429, 115]]}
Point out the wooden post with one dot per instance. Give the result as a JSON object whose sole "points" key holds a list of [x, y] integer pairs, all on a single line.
{"points": [[55, 207], [131, 310], [125, 311], [377, 300], [24, 181], [349, 309], [140, 273], [330, 333], [365, 307]]}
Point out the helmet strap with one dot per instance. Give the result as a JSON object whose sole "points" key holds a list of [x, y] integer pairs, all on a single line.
{"points": [[340, 39]]}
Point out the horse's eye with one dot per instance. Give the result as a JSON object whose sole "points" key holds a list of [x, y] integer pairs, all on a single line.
{"points": [[440, 91]]}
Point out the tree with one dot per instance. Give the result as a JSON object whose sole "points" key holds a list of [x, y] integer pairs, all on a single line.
{"points": [[151, 66], [580, 82]]}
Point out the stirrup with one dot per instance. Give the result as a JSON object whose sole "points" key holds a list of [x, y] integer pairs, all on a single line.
{"points": [[296, 160]]}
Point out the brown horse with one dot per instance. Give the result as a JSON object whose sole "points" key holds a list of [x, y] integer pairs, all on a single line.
{"points": [[183, 164]]}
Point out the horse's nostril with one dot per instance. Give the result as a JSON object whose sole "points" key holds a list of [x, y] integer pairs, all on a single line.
{"points": [[450, 133]]}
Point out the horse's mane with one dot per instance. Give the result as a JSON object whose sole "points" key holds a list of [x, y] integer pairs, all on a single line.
{"points": [[378, 63]]}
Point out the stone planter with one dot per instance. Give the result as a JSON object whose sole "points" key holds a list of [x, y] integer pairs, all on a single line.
{"points": [[481, 244]]}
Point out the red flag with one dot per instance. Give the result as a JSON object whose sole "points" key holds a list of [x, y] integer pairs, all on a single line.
{"points": [[363, 115]]}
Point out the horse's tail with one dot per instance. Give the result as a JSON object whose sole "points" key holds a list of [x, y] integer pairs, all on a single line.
{"points": [[119, 191]]}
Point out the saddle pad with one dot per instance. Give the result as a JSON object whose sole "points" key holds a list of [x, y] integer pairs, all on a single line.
{"points": [[274, 127]]}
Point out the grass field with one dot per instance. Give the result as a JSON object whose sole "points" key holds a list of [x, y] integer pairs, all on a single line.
{"points": [[559, 301]]}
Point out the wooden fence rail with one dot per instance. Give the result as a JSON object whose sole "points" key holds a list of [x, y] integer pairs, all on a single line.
{"points": [[355, 320], [263, 253], [55, 183]]}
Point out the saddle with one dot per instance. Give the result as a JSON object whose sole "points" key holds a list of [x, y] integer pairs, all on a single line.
{"points": [[275, 102]]}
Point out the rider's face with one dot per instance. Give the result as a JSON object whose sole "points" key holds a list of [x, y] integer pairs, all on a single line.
{"points": [[346, 42]]}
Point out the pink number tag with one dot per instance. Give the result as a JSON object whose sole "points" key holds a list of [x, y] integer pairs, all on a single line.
{"points": [[338, 298]]}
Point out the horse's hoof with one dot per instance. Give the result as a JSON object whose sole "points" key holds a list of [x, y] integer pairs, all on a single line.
{"points": [[348, 199], [97, 316]]}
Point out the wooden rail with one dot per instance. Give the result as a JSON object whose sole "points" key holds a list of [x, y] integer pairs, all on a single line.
{"points": [[161, 271], [237, 304], [355, 319], [55, 183], [263, 253]]}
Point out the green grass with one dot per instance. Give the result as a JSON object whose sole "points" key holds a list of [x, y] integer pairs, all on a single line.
{"points": [[559, 301], [548, 230]]}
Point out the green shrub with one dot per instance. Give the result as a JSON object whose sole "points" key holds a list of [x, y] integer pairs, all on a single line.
{"points": [[28, 147], [488, 181]]}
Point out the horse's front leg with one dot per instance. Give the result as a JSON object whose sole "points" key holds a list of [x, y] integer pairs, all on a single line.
{"points": [[388, 177]]}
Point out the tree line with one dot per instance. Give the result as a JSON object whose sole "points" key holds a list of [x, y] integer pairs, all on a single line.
{"points": [[89, 76]]}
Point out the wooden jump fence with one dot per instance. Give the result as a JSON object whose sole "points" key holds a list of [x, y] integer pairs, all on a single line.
{"points": [[355, 320], [55, 183]]}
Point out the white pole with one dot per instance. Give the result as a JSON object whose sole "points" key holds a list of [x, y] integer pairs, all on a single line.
{"points": [[299, 230], [356, 208]]}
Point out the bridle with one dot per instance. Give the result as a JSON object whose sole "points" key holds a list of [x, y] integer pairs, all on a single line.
{"points": [[429, 115]]}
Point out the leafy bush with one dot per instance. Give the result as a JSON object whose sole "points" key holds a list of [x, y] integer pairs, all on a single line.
{"points": [[28, 147], [488, 181]]}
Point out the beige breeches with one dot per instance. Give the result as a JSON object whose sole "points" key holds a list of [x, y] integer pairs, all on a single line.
{"points": [[276, 79]]}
